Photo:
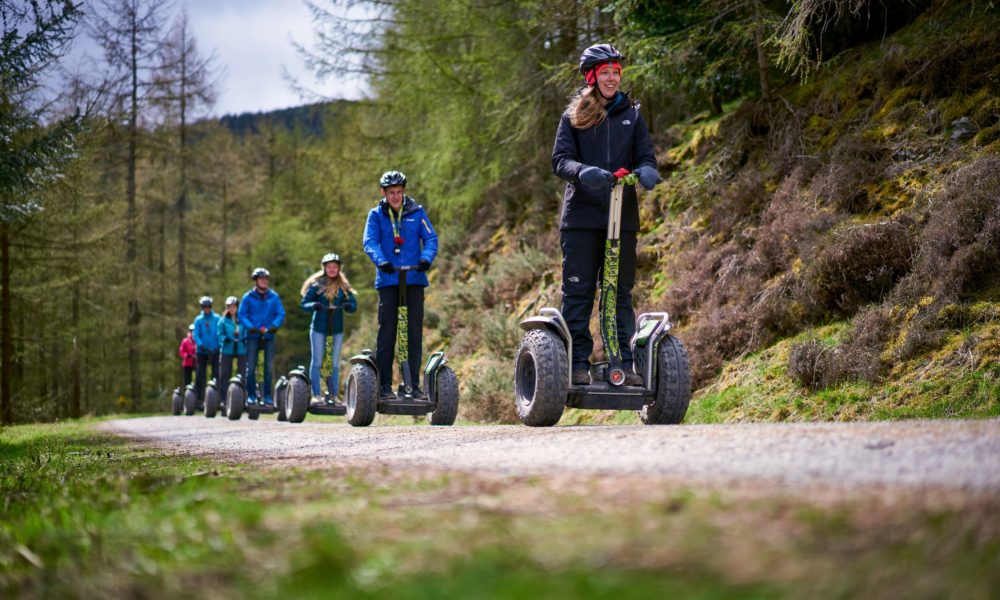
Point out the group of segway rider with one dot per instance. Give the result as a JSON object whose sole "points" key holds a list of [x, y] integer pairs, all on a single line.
{"points": [[602, 148]]}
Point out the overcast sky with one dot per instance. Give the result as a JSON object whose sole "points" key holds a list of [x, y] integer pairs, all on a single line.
{"points": [[252, 43]]}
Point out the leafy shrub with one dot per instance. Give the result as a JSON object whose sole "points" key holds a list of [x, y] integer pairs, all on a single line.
{"points": [[815, 365], [859, 265], [489, 391]]}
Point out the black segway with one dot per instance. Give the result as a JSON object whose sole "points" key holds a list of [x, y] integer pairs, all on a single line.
{"points": [[190, 399], [440, 382], [213, 399], [297, 398], [236, 397], [543, 368], [177, 402]]}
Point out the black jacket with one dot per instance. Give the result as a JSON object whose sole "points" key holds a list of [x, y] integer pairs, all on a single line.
{"points": [[622, 140]]}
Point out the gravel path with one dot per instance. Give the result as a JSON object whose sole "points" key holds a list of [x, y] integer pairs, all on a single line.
{"points": [[954, 455]]}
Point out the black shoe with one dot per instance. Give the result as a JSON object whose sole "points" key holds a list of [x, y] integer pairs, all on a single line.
{"points": [[386, 394], [581, 376], [419, 394], [633, 379]]}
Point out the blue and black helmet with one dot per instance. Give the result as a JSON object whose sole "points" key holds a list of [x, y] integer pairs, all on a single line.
{"points": [[598, 54], [391, 178], [205, 301], [260, 272], [330, 257]]}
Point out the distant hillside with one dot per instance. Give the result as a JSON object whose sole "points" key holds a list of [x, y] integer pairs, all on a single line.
{"points": [[306, 119]]}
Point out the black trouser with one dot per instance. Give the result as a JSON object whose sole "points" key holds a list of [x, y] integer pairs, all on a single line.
{"points": [[203, 361], [226, 368], [583, 260], [188, 372], [385, 345]]}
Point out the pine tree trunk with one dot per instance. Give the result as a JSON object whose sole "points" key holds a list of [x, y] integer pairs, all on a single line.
{"points": [[758, 37], [135, 376], [181, 208], [6, 343]]}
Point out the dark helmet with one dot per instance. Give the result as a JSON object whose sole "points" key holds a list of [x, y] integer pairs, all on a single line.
{"points": [[260, 272], [390, 178], [328, 258], [598, 54], [232, 300], [205, 301]]}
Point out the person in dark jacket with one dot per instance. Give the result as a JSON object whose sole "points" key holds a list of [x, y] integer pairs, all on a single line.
{"points": [[206, 337], [399, 233], [260, 315], [234, 344], [600, 132], [327, 294], [188, 353]]}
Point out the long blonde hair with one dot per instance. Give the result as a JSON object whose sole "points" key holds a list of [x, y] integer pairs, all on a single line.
{"points": [[585, 108], [328, 287]]}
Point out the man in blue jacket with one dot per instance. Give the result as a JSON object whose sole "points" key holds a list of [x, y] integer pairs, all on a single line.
{"points": [[260, 315], [206, 338], [399, 233]]}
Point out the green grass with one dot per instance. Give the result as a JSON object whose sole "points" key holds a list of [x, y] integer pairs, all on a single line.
{"points": [[87, 514], [934, 385]]}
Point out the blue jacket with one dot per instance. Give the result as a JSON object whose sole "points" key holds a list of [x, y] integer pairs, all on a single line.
{"points": [[316, 302], [420, 242], [621, 140], [206, 333], [227, 333], [258, 311]]}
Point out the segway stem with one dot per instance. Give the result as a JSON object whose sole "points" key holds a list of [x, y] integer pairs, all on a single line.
{"points": [[609, 288], [403, 332]]}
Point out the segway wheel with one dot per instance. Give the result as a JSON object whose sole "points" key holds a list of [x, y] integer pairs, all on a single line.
{"points": [[296, 399], [211, 401], [447, 398], [673, 385], [362, 395], [177, 403], [280, 397], [190, 402], [540, 378], [235, 401]]}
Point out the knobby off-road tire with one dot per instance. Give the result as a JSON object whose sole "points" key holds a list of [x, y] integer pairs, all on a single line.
{"points": [[447, 398], [296, 399], [234, 401], [177, 403], [280, 398], [540, 384], [673, 385], [362, 395], [190, 402], [211, 401]]}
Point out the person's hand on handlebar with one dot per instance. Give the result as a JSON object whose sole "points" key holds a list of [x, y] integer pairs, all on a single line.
{"points": [[424, 265], [386, 267]]}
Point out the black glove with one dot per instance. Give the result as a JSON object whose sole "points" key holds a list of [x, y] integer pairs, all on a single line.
{"points": [[648, 177], [385, 267], [317, 306], [595, 178], [423, 266]]}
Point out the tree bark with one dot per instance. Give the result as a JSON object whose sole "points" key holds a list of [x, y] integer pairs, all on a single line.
{"points": [[134, 316], [758, 37], [6, 343]]}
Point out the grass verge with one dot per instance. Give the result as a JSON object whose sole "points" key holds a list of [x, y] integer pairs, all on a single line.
{"points": [[87, 514]]}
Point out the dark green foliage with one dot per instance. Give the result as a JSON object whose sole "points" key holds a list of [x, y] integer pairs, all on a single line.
{"points": [[31, 154]]}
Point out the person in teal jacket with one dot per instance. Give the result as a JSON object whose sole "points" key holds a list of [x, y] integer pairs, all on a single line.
{"points": [[206, 338], [327, 294], [234, 345]]}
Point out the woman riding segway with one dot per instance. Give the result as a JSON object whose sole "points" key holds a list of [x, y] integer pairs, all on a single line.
{"points": [[327, 294], [600, 132]]}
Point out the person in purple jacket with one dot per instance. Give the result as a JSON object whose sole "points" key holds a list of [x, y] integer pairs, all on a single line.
{"points": [[260, 315]]}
